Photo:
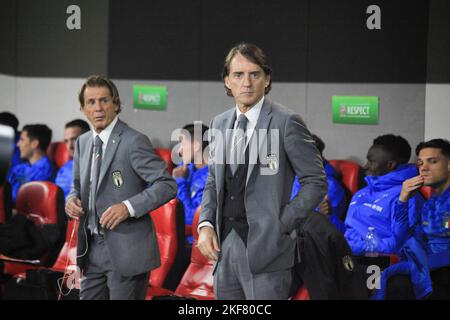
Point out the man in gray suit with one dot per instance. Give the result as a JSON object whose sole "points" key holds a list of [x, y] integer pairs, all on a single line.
{"points": [[247, 224], [118, 179]]}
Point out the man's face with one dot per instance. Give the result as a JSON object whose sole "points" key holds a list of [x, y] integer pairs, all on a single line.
{"points": [[246, 80], [433, 166], [70, 136], [378, 162], [98, 107], [186, 149], [26, 146]]}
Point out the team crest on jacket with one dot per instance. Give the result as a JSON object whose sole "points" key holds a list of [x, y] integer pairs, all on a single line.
{"points": [[117, 178], [347, 261]]}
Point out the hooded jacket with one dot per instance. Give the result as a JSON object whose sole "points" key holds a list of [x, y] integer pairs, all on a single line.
{"points": [[374, 206]]}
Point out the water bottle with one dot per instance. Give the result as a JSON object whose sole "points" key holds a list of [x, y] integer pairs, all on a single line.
{"points": [[371, 243]]}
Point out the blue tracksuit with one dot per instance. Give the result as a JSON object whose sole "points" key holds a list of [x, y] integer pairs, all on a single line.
{"points": [[374, 206], [336, 194], [42, 170], [190, 191], [431, 244], [64, 177]]}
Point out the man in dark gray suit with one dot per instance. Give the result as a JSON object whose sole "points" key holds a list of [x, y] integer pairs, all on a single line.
{"points": [[247, 224], [118, 179]]}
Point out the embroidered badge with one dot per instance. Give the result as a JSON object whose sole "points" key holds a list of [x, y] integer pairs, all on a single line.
{"points": [[117, 178], [348, 263]]}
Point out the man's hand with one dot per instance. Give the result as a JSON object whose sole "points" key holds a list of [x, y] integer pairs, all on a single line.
{"points": [[73, 208], [324, 206], [207, 243], [409, 186], [181, 171], [114, 215]]}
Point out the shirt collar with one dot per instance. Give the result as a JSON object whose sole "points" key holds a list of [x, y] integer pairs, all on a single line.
{"points": [[106, 133], [252, 114]]}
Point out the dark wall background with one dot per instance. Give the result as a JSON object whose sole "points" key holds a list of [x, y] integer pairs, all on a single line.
{"points": [[37, 42], [306, 40], [8, 37], [309, 40]]}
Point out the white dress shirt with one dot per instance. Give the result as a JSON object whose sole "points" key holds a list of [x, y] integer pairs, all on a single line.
{"points": [[104, 136]]}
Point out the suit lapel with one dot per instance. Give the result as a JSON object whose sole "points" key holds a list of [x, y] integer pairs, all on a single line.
{"points": [[85, 171], [110, 151], [257, 142], [227, 123]]}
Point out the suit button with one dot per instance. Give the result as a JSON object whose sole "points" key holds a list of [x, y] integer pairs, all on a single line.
{"points": [[232, 197]]}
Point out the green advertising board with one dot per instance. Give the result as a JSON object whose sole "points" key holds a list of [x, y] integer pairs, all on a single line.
{"points": [[150, 97], [355, 109]]}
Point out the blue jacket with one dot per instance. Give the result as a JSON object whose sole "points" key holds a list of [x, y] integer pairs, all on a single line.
{"points": [[336, 194], [42, 170], [190, 191], [64, 177], [428, 245], [374, 206]]}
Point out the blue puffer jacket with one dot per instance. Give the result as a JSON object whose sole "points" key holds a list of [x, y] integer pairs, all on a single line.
{"points": [[374, 206]]}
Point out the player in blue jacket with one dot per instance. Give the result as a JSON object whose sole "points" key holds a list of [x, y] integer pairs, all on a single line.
{"points": [[192, 172], [334, 204], [373, 206], [72, 130], [427, 250], [33, 144]]}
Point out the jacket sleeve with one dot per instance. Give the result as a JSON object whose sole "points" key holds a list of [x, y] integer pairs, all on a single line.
{"points": [[209, 200], [308, 166], [406, 220], [161, 186]]}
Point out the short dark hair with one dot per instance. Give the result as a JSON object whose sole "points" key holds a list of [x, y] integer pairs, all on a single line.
{"points": [[319, 143], [396, 146], [9, 119], [101, 81], [190, 128], [442, 144], [41, 133], [252, 53], [78, 123]]}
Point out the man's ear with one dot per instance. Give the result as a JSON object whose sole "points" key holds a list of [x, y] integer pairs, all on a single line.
{"points": [[392, 164], [227, 82], [34, 143], [267, 81]]}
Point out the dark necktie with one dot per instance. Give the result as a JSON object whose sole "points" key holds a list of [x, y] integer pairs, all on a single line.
{"points": [[238, 148], [97, 152]]}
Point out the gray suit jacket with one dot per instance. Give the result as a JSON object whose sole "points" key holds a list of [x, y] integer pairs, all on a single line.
{"points": [[146, 185], [270, 215]]}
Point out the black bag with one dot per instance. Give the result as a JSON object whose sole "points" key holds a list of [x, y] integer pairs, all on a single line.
{"points": [[41, 284], [20, 238]]}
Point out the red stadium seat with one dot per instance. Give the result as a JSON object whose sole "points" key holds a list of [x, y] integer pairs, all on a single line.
{"points": [[197, 281], [349, 172], [302, 294], [58, 154], [43, 203], [164, 219], [68, 254], [165, 154]]}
